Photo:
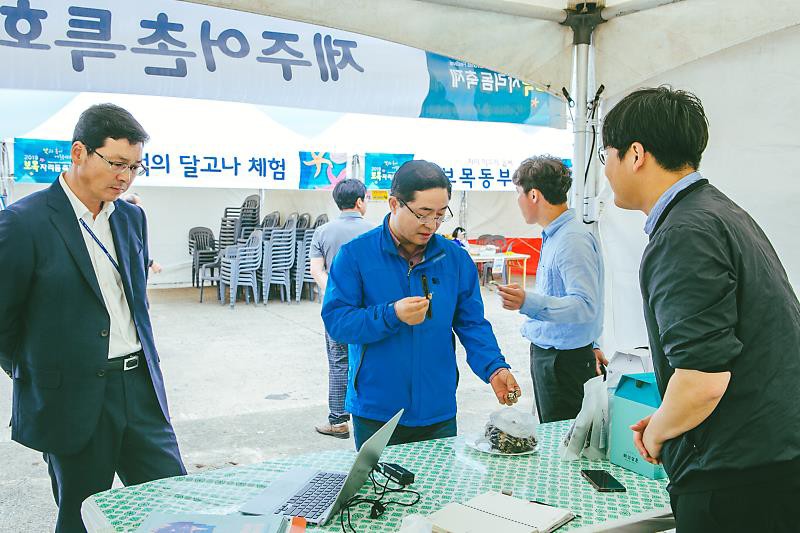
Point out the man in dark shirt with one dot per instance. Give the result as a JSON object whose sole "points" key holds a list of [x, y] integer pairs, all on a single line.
{"points": [[723, 323]]}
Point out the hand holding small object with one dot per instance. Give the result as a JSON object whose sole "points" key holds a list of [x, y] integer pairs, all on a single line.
{"points": [[513, 296], [505, 387], [412, 310]]}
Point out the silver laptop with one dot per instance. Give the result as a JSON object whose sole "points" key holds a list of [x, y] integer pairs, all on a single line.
{"points": [[318, 495]]}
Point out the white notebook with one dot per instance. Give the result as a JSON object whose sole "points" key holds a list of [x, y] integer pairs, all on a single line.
{"points": [[493, 511]]}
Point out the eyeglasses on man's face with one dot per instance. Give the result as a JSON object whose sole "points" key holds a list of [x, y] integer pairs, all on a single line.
{"points": [[602, 152], [119, 167], [427, 219]]}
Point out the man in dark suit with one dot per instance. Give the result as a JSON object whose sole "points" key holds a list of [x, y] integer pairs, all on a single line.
{"points": [[75, 334]]}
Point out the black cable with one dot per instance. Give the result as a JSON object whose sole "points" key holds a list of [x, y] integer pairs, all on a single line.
{"points": [[378, 505], [595, 103]]}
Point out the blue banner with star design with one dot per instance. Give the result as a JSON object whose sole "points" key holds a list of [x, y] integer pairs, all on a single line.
{"points": [[322, 170]]}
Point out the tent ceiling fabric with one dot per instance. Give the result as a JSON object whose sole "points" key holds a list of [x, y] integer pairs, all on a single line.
{"points": [[502, 36]]}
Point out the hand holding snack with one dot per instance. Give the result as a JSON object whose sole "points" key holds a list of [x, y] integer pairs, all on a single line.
{"points": [[513, 296], [505, 387]]}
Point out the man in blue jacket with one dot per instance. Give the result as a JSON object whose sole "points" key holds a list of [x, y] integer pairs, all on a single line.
{"points": [[396, 294]]}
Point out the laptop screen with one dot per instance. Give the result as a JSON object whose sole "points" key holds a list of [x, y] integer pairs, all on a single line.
{"points": [[367, 458]]}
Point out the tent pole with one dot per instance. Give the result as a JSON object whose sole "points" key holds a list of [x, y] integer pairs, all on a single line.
{"points": [[583, 22], [580, 128], [5, 176], [462, 211]]}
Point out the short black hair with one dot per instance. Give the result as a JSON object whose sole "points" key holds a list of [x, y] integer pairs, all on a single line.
{"points": [[547, 174], [418, 175], [102, 121], [348, 192], [669, 123]]}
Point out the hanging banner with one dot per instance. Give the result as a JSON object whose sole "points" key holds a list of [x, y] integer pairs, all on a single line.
{"points": [[172, 48], [379, 169], [462, 91], [40, 161], [464, 173], [322, 170]]}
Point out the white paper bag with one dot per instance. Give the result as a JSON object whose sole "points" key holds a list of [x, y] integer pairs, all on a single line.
{"points": [[577, 437], [598, 434]]}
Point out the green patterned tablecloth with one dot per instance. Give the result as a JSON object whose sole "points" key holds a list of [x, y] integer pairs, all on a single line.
{"points": [[446, 470]]}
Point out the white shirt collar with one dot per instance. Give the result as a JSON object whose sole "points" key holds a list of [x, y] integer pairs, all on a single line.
{"points": [[79, 207]]}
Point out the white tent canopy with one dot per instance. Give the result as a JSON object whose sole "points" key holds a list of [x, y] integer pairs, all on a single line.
{"points": [[740, 56], [509, 36]]}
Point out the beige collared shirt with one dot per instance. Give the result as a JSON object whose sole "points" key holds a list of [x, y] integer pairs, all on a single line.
{"points": [[122, 338]]}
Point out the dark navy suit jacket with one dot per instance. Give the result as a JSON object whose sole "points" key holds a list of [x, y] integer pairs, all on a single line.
{"points": [[54, 326]]}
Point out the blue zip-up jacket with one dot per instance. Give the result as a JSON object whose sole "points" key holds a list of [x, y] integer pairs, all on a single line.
{"points": [[393, 365]]}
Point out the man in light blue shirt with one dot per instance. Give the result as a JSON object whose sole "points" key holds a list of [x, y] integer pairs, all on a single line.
{"points": [[565, 310]]}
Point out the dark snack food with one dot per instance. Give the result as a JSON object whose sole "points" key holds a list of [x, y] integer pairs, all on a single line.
{"points": [[505, 443]]}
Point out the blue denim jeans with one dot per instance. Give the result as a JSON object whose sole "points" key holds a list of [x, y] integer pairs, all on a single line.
{"points": [[364, 428]]}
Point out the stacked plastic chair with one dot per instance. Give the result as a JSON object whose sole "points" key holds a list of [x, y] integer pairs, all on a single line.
{"points": [[320, 221], [250, 202], [227, 237], [304, 221], [303, 275], [203, 249], [270, 222], [239, 265], [279, 258], [303, 227]]}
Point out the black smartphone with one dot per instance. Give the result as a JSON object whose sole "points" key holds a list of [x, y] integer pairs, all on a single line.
{"points": [[603, 481]]}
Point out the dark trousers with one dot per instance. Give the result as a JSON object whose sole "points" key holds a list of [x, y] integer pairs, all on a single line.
{"points": [[764, 508], [558, 378], [337, 380], [364, 428], [132, 439]]}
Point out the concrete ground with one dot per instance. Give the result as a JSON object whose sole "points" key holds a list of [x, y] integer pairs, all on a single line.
{"points": [[245, 385]]}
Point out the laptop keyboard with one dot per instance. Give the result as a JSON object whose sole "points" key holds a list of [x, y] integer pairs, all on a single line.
{"points": [[315, 498]]}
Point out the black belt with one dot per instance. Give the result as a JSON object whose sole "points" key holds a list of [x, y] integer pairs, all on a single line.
{"points": [[126, 362]]}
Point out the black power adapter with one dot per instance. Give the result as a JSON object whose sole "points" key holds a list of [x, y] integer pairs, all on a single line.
{"points": [[397, 473]]}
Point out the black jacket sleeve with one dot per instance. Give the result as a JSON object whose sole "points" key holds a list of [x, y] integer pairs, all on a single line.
{"points": [[16, 273], [690, 284]]}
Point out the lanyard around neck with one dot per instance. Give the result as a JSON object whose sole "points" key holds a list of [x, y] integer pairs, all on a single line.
{"points": [[100, 244]]}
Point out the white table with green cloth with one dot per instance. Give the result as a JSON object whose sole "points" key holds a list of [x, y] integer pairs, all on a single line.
{"points": [[446, 470]]}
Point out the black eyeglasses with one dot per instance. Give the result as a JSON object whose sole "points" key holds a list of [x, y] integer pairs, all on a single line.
{"points": [[602, 152], [119, 167], [427, 219]]}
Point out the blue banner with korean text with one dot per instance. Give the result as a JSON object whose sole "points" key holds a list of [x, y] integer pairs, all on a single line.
{"points": [[173, 48], [40, 161], [463, 91], [379, 169]]}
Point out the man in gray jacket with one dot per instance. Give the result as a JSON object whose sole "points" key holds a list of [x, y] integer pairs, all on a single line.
{"points": [[349, 197]]}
